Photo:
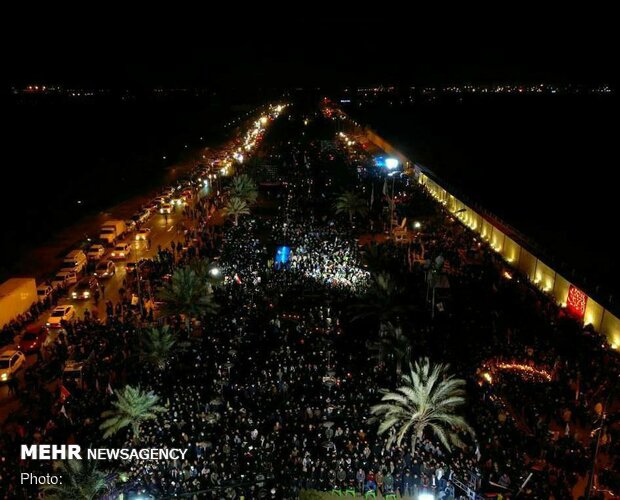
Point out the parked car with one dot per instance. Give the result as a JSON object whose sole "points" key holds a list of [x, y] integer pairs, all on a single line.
{"points": [[121, 251], [140, 218], [43, 292], [152, 206], [59, 314], [64, 278], [33, 338], [143, 234], [95, 252], [75, 260], [105, 269], [10, 362], [85, 288], [178, 200]]}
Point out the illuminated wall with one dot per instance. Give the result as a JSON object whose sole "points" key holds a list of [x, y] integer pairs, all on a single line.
{"points": [[539, 273], [527, 263], [560, 291], [611, 326], [510, 251]]}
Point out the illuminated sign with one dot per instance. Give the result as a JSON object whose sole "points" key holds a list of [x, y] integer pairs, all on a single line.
{"points": [[576, 301]]}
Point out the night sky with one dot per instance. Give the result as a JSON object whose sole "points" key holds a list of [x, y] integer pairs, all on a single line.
{"points": [[116, 50]]}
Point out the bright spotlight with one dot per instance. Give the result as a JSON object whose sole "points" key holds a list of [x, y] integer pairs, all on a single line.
{"points": [[391, 163], [426, 496]]}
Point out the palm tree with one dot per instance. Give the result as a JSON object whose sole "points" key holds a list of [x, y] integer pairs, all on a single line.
{"points": [[131, 408], [375, 257], [244, 188], [81, 480], [427, 399], [351, 203], [236, 207], [384, 302], [392, 344], [156, 345], [207, 271], [188, 294]]}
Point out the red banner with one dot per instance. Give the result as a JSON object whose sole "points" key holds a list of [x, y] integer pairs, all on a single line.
{"points": [[576, 301]]}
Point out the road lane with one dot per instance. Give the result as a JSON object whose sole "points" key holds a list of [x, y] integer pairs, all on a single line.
{"points": [[163, 232]]}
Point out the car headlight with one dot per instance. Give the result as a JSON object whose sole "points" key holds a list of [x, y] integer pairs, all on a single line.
{"points": [[74, 295], [4, 376], [86, 294]]}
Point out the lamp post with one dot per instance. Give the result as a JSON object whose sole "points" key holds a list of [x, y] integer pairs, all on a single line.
{"points": [[392, 206]]}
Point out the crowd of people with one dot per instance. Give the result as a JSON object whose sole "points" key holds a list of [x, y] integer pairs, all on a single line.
{"points": [[271, 396]]}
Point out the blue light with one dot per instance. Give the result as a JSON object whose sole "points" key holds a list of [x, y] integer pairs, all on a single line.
{"points": [[379, 161], [282, 255]]}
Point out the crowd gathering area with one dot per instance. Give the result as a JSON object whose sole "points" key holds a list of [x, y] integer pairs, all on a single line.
{"points": [[296, 349]]}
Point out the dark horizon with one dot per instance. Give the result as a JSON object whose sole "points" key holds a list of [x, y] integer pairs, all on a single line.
{"points": [[326, 52]]}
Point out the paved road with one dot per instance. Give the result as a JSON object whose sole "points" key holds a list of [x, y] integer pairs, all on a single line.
{"points": [[162, 234]]}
